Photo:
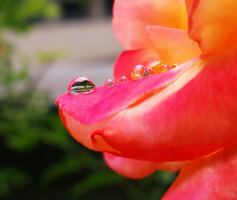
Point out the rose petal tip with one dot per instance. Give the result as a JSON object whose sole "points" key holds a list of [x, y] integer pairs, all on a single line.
{"points": [[57, 101]]}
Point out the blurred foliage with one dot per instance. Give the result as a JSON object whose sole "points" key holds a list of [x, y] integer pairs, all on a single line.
{"points": [[45, 57], [81, 3], [16, 15], [39, 159], [11, 177]]}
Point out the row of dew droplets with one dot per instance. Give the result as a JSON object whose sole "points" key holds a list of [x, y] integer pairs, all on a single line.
{"points": [[110, 82], [155, 67], [140, 72], [85, 85]]}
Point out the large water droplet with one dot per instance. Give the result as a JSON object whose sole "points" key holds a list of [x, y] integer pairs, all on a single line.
{"points": [[81, 85], [109, 83]]}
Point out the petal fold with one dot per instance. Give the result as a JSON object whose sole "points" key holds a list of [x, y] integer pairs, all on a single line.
{"points": [[173, 45], [213, 24], [131, 17], [207, 178]]}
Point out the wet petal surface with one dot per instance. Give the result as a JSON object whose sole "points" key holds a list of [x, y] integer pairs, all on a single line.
{"points": [[104, 102], [193, 116]]}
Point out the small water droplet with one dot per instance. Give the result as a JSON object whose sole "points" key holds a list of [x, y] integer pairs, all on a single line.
{"points": [[81, 85], [122, 79], [138, 72], [150, 70], [109, 83], [166, 68]]}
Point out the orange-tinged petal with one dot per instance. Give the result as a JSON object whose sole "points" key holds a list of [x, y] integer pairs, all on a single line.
{"points": [[137, 168], [130, 18], [79, 131], [193, 116], [207, 178], [127, 61], [173, 45], [171, 166], [188, 2], [213, 24]]}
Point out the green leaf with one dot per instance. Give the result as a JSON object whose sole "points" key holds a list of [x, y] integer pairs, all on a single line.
{"points": [[95, 181]]}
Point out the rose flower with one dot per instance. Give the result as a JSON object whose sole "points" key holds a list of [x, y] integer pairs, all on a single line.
{"points": [[173, 103]]}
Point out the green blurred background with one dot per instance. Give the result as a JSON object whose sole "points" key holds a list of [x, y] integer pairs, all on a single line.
{"points": [[39, 159]]}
